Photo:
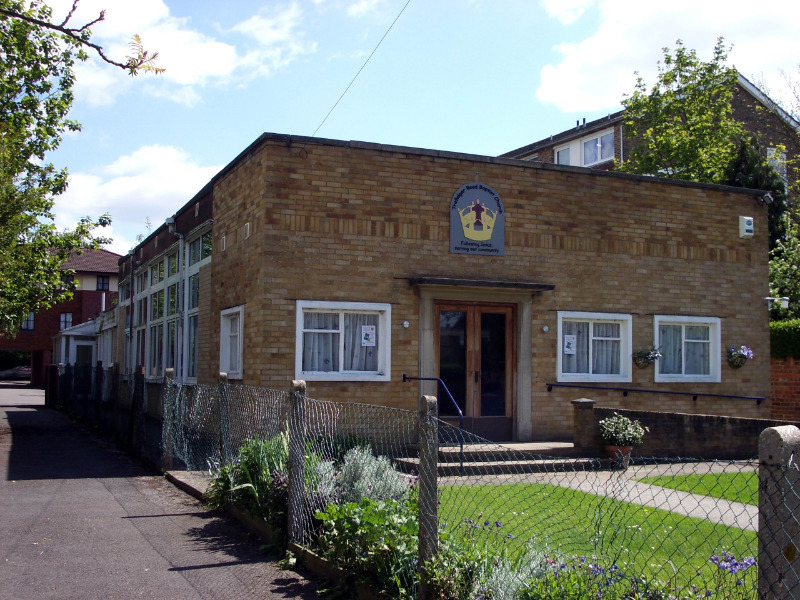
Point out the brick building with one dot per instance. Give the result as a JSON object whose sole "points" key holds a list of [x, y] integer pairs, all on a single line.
{"points": [[598, 143], [522, 285], [96, 274]]}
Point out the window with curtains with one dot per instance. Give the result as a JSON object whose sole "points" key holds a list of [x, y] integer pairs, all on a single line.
{"points": [[230, 341], [690, 348], [594, 347], [341, 341]]}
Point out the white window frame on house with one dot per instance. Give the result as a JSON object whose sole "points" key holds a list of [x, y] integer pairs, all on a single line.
{"points": [[592, 318], [64, 321], [29, 323], [383, 311], [714, 348], [777, 160], [597, 138], [577, 152], [198, 252], [231, 330]]}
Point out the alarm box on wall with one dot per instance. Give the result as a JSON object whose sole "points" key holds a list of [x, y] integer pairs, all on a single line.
{"points": [[745, 227]]}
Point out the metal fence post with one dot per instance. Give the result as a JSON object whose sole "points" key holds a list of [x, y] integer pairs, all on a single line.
{"points": [[778, 513], [428, 484], [297, 445], [224, 433]]}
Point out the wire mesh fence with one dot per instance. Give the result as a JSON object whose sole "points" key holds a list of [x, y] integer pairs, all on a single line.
{"points": [[420, 507]]}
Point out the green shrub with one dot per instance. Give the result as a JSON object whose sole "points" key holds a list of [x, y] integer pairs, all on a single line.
{"points": [[785, 339], [365, 476]]}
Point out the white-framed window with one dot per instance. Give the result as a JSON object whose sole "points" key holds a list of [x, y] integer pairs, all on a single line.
{"points": [[587, 151], [690, 348], [343, 341], [776, 158], [231, 326], [598, 149], [594, 347], [28, 323], [64, 321]]}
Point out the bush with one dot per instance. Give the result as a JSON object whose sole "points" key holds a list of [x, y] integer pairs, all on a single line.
{"points": [[365, 476], [785, 339]]}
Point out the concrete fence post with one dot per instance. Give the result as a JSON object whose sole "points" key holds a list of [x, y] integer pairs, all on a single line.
{"points": [[428, 486], [224, 430], [778, 513], [297, 445]]}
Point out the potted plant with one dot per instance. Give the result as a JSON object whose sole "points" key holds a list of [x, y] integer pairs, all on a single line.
{"points": [[738, 356], [644, 358], [621, 434]]}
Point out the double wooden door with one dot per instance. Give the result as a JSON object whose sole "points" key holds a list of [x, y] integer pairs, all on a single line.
{"points": [[475, 360]]}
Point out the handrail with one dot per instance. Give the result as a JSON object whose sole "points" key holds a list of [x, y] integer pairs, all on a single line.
{"points": [[626, 391], [455, 404]]}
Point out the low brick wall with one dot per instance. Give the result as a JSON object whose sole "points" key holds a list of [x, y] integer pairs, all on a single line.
{"points": [[785, 388], [675, 435]]}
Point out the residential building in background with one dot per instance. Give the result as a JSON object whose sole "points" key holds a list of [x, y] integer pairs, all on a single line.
{"points": [[598, 143], [96, 275]]}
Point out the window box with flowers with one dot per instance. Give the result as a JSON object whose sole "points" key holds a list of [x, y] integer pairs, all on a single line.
{"points": [[738, 356]]}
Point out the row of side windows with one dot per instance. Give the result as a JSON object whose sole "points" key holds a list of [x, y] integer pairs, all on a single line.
{"points": [[598, 346]]}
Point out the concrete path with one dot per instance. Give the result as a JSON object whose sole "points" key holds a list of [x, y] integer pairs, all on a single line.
{"points": [[81, 520]]}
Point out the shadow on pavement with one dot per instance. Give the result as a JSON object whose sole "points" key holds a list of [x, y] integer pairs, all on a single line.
{"points": [[45, 445]]}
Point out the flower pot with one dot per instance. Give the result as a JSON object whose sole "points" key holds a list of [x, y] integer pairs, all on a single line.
{"points": [[736, 362], [642, 361], [621, 454]]}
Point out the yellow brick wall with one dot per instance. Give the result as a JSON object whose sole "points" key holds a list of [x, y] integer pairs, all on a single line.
{"points": [[353, 222]]}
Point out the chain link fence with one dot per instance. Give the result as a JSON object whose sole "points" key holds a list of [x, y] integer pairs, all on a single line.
{"points": [[420, 508]]}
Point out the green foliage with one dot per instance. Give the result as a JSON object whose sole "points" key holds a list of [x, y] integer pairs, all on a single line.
{"points": [[618, 430], [683, 126], [374, 539], [750, 169], [784, 272], [366, 476], [36, 80], [785, 339]]}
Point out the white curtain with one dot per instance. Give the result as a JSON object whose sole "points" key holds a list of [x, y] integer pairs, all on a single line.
{"points": [[605, 348], [357, 356], [698, 350], [321, 347], [671, 340], [579, 361]]}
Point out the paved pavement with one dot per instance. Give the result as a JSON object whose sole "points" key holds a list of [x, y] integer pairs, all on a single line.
{"points": [[80, 519]]}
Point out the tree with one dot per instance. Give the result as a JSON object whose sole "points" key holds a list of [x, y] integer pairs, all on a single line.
{"points": [[683, 128], [36, 79], [750, 168]]}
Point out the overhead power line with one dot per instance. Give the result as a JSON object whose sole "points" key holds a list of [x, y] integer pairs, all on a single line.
{"points": [[361, 69]]}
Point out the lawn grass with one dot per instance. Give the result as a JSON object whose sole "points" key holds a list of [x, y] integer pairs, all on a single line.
{"points": [[642, 541], [741, 486]]}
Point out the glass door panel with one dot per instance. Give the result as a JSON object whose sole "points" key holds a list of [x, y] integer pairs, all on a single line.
{"points": [[453, 360], [493, 373]]}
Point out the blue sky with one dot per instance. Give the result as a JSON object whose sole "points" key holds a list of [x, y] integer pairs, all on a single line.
{"points": [[475, 76]]}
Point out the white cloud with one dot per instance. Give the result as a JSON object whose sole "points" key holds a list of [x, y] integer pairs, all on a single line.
{"points": [[362, 7], [594, 73], [256, 47], [566, 11], [152, 182]]}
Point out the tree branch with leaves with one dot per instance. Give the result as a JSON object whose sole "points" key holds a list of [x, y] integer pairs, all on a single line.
{"points": [[36, 80]]}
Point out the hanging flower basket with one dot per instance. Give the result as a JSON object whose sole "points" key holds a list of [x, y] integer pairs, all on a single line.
{"points": [[737, 357], [645, 358]]}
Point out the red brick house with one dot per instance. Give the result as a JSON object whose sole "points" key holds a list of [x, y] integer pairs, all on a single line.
{"points": [[598, 143], [96, 276]]}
